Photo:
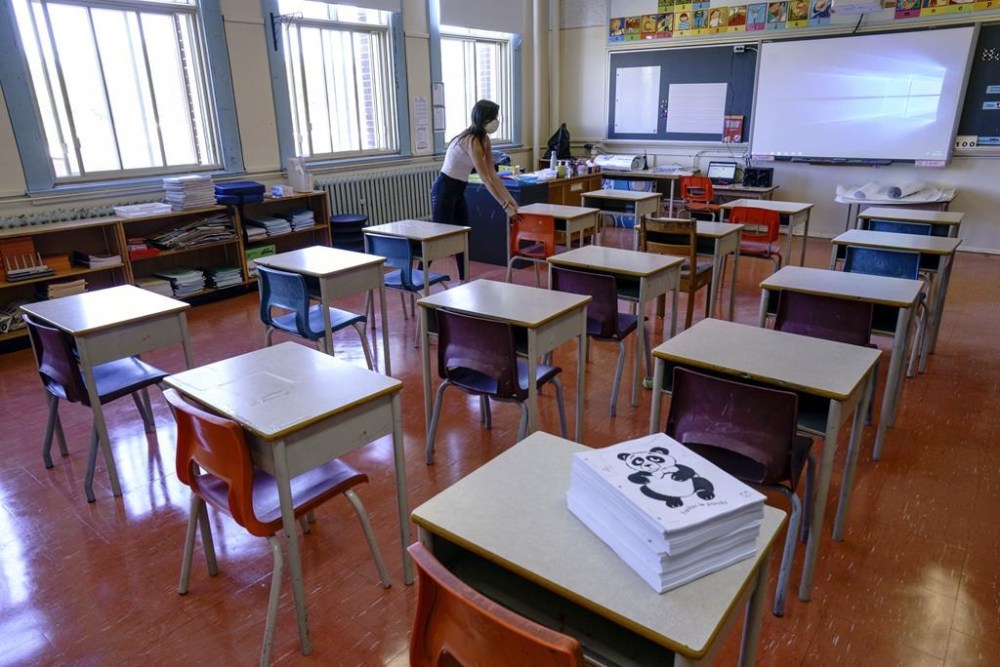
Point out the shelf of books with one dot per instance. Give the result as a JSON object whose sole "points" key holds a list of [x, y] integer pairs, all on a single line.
{"points": [[289, 222]]}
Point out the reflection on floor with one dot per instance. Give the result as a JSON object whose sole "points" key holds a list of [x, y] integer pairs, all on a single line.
{"points": [[915, 582]]}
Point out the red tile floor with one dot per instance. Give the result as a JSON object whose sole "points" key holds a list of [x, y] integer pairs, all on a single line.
{"points": [[915, 582]]}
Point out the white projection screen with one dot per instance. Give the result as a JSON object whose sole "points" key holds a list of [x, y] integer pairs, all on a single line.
{"points": [[891, 96]]}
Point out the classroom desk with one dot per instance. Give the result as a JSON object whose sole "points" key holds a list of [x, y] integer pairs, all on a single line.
{"points": [[638, 203], [504, 529], [574, 219], [789, 210], [839, 375], [657, 274], [943, 223], [111, 324], [550, 318], [899, 293], [854, 205], [437, 240], [737, 191], [941, 250], [340, 273], [299, 409], [657, 177]]}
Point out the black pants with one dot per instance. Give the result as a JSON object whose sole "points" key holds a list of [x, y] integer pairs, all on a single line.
{"points": [[448, 206]]}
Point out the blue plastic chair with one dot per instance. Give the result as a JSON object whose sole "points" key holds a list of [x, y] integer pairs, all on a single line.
{"points": [[289, 293], [405, 279], [894, 264]]}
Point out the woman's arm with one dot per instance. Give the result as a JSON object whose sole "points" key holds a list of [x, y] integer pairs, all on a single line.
{"points": [[483, 160]]}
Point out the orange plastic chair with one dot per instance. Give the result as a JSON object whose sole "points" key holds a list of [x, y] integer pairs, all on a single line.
{"points": [[454, 624], [696, 191], [214, 460], [532, 238], [759, 236]]}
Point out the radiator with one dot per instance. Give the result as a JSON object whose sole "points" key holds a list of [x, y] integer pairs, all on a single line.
{"points": [[384, 196]]}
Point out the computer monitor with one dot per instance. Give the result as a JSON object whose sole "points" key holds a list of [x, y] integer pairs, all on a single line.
{"points": [[722, 173]]}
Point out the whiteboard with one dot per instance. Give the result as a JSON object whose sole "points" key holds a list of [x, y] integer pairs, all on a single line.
{"points": [[638, 93]]}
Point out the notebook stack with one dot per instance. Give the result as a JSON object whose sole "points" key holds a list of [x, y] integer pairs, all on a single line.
{"points": [[183, 281], [224, 276], [58, 289], [187, 192], [138, 248], [299, 218], [237, 193], [157, 285], [670, 514], [210, 229], [95, 261], [272, 225]]}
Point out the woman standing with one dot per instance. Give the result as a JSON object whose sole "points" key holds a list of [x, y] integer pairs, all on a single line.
{"points": [[470, 149]]}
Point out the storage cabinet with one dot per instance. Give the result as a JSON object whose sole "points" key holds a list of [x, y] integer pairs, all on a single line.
{"points": [[569, 191], [318, 234]]}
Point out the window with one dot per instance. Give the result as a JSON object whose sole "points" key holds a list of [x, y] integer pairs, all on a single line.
{"points": [[341, 88], [475, 65], [119, 87]]}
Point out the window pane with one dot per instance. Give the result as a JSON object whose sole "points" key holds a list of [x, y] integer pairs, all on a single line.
{"points": [[476, 65]]}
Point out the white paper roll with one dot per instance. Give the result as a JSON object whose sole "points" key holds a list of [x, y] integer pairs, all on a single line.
{"points": [[904, 189]]}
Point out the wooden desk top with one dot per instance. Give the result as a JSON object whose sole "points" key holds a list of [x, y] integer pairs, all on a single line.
{"points": [[627, 195], [319, 261], [558, 211], [647, 174], [786, 207], [713, 230], [90, 312], [812, 365], [616, 260], [512, 511], [278, 390], [928, 245], [521, 305], [883, 290], [417, 230], [912, 215]]}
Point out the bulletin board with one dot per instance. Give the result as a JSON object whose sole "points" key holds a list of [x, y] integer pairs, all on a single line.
{"points": [[681, 94], [981, 111]]}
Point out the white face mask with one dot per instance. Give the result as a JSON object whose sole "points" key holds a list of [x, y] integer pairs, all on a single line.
{"points": [[492, 126]]}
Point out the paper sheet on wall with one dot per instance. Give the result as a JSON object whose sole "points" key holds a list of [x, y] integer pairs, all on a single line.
{"points": [[437, 94], [637, 94], [696, 108], [421, 124]]}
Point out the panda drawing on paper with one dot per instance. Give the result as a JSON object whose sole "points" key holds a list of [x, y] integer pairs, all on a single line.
{"points": [[660, 477]]}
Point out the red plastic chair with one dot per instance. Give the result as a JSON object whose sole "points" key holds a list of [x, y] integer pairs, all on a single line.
{"points": [[533, 239], [750, 432], [479, 356], [456, 625], [61, 376], [214, 460], [696, 191], [759, 236]]}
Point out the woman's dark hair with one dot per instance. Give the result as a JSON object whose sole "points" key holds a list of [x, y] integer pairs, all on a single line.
{"points": [[483, 112]]}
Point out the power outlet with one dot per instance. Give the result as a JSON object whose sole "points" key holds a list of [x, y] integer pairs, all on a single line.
{"points": [[965, 141]]}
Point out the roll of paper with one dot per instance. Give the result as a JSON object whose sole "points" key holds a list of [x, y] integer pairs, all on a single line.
{"points": [[904, 189], [868, 191], [612, 162]]}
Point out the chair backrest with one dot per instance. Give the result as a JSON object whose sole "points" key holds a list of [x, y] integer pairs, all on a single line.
{"points": [[486, 348], [215, 445], [281, 289], [398, 255], [759, 224], [746, 430], [456, 625], [900, 227], [532, 228], [57, 365], [841, 320], [671, 236], [602, 311], [697, 189], [882, 262]]}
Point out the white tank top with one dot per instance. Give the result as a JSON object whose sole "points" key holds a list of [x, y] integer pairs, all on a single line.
{"points": [[458, 160]]}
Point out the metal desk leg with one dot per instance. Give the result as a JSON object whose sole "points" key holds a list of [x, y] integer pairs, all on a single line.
{"points": [[292, 543], [819, 501], [894, 378], [847, 482]]}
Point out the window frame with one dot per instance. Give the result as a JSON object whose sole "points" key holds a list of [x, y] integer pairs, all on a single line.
{"points": [[287, 147], [29, 132]]}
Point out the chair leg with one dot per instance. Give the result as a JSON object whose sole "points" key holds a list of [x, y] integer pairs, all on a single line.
{"points": [[142, 404], [88, 481], [304, 524], [267, 336], [366, 526], [618, 378], [690, 310], [52, 427], [207, 542], [785, 571], [370, 308], [272, 602], [198, 514], [561, 405], [538, 280], [360, 328], [809, 499], [432, 427], [510, 265], [402, 300], [522, 426]]}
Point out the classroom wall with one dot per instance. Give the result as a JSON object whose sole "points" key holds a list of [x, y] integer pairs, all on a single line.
{"points": [[583, 101]]}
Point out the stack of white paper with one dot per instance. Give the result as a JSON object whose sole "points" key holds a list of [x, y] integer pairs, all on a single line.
{"points": [[670, 514], [187, 192], [183, 280]]}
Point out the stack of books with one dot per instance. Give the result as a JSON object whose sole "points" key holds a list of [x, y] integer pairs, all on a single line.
{"points": [[186, 192], [299, 218], [271, 224], [157, 285], [56, 290], [224, 276], [95, 260], [183, 280], [214, 228], [670, 514], [139, 248]]}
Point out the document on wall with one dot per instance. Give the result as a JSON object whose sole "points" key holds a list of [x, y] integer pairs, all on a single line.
{"points": [[696, 108], [637, 91], [421, 124]]}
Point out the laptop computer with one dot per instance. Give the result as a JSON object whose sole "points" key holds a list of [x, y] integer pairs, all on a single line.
{"points": [[722, 173]]}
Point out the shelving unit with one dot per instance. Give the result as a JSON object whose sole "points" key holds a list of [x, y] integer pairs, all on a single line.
{"points": [[319, 234]]}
